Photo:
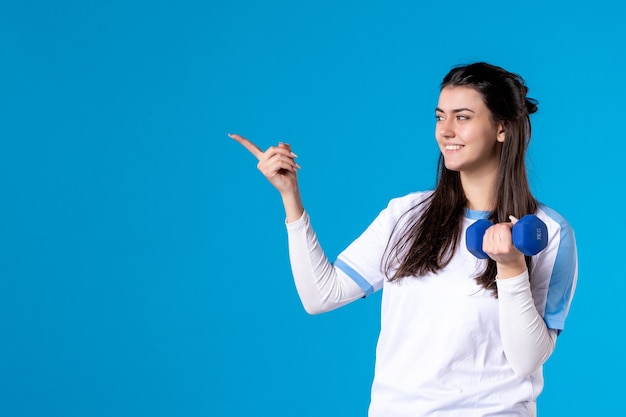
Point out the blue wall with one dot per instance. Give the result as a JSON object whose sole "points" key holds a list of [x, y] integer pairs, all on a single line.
{"points": [[143, 259]]}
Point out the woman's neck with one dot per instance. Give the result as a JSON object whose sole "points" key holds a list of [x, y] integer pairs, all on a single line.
{"points": [[480, 191]]}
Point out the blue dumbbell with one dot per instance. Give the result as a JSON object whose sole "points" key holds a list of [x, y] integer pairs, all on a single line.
{"points": [[530, 236]]}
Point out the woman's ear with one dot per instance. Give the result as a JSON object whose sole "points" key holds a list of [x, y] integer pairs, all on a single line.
{"points": [[501, 132]]}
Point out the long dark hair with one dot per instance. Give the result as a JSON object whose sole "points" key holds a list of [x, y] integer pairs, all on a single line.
{"points": [[431, 234]]}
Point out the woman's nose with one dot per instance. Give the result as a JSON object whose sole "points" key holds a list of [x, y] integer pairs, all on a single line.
{"points": [[444, 128]]}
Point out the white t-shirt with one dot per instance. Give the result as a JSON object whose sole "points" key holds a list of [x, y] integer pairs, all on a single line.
{"points": [[439, 351]]}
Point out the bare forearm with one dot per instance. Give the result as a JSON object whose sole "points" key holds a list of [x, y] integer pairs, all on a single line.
{"points": [[294, 208], [511, 269]]}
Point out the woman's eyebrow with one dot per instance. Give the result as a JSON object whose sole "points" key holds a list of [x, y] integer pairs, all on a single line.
{"points": [[462, 109]]}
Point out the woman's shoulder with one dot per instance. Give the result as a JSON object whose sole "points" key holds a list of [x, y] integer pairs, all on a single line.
{"points": [[553, 215], [406, 202], [557, 224]]}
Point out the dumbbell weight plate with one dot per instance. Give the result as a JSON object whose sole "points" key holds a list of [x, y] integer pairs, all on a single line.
{"points": [[474, 237], [530, 235]]}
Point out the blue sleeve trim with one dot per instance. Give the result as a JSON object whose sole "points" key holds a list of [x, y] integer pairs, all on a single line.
{"points": [[563, 277], [355, 276]]}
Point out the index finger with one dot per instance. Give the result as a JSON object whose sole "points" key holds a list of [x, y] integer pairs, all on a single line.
{"points": [[254, 150]]}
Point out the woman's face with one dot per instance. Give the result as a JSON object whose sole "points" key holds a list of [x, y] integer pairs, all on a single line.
{"points": [[468, 138]]}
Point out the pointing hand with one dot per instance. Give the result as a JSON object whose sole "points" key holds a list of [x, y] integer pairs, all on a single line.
{"points": [[277, 164]]}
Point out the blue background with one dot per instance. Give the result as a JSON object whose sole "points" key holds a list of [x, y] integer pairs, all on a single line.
{"points": [[143, 259]]}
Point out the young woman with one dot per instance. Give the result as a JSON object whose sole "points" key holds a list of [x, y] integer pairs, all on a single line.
{"points": [[460, 336]]}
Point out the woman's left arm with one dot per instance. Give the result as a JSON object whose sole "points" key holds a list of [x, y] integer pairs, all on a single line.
{"points": [[526, 339]]}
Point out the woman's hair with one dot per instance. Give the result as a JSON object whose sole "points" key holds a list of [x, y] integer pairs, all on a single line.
{"points": [[431, 233]]}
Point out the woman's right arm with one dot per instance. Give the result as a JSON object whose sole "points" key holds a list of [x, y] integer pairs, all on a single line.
{"points": [[320, 285]]}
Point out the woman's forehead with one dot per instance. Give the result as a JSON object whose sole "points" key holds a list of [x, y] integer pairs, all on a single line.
{"points": [[460, 97]]}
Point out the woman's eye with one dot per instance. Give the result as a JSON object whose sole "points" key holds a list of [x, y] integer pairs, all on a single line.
{"points": [[462, 117], [438, 117]]}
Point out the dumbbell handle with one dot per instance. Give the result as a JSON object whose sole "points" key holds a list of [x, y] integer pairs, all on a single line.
{"points": [[530, 236]]}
